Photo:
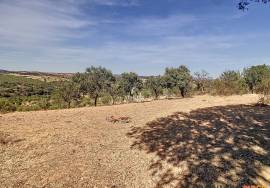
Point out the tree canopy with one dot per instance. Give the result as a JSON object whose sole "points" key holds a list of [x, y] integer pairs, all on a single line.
{"points": [[243, 4], [155, 84], [178, 77], [96, 80], [131, 83], [254, 75]]}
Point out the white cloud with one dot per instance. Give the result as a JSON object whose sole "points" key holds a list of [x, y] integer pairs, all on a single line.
{"points": [[24, 23], [153, 26], [39, 35], [120, 56], [116, 2]]}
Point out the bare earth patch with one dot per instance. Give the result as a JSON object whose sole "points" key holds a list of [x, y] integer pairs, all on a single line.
{"points": [[189, 142]]}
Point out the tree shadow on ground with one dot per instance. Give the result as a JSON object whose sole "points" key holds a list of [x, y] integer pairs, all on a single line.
{"points": [[224, 145]]}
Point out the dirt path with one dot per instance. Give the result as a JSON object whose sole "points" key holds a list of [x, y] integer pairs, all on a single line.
{"points": [[79, 148]]}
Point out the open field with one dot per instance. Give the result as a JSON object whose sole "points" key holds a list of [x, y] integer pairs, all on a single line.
{"points": [[189, 142]]}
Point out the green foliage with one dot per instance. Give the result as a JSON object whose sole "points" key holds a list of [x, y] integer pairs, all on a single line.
{"points": [[106, 99], [254, 76], [6, 106], [130, 83], [155, 84], [264, 88], [146, 93], [95, 81], [14, 86], [229, 83], [115, 91], [98, 85], [69, 91], [179, 78]]}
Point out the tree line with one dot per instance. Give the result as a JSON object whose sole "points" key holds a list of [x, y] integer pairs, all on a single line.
{"points": [[96, 82], [99, 86]]}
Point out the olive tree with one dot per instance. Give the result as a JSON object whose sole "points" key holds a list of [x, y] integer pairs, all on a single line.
{"points": [[95, 81], [68, 92], [264, 90], [115, 91], [254, 76], [130, 83], [178, 77], [155, 84]]}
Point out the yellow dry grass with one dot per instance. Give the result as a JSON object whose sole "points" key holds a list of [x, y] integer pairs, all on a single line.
{"points": [[203, 140]]}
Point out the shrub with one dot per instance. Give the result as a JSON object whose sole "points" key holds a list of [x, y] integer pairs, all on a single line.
{"points": [[106, 99], [229, 83], [7, 106], [264, 89], [146, 93]]}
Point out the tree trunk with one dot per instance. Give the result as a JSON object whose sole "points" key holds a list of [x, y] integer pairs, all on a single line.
{"points": [[69, 104], [156, 94], [251, 88], [96, 98], [131, 95], [203, 89], [113, 100], [182, 91]]}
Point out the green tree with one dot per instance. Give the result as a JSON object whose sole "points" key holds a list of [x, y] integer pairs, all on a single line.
{"points": [[131, 83], [69, 91], [155, 84], [264, 88], [231, 82], [178, 77], [95, 81], [115, 91], [254, 76]]}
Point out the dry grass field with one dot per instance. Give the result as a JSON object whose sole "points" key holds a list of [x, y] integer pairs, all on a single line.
{"points": [[189, 142]]}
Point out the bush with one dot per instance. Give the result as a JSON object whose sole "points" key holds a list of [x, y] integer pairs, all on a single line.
{"points": [[85, 101], [44, 103], [229, 83], [7, 106], [146, 93], [106, 99], [264, 89]]}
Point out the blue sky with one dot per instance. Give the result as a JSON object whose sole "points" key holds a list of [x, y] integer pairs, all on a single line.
{"points": [[142, 36]]}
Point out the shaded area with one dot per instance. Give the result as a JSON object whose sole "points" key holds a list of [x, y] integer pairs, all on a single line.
{"points": [[224, 145]]}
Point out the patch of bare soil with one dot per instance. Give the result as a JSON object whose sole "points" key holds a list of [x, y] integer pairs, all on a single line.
{"points": [[189, 142]]}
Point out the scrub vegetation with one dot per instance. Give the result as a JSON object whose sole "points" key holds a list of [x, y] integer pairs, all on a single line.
{"points": [[99, 86]]}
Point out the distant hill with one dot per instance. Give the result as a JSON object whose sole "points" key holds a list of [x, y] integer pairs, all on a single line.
{"points": [[48, 76], [37, 73], [3, 71]]}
